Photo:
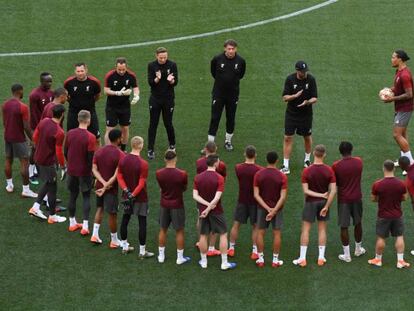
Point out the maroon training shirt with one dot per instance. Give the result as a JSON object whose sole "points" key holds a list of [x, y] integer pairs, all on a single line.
{"points": [[403, 80], [318, 177], [409, 180], [38, 99], [390, 193], [208, 183], [48, 112], [348, 173], [201, 165], [270, 182], [79, 144], [106, 160], [14, 114], [173, 183], [48, 137], [132, 174], [245, 173]]}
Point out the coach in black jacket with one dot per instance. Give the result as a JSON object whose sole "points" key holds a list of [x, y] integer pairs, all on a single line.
{"points": [[162, 78]]}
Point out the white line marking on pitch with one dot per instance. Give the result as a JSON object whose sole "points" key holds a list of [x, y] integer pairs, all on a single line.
{"points": [[189, 37]]}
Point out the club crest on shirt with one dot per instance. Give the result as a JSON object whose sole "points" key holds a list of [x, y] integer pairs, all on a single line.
{"points": [[307, 86], [126, 82], [43, 101], [87, 88], [115, 82], [75, 88], [168, 71], [397, 79], [222, 65], [295, 86], [236, 66]]}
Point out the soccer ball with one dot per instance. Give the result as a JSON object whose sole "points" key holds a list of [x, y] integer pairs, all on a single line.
{"points": [[385, 93]]}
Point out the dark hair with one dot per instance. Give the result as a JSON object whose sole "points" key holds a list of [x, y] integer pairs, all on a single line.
{"points": [[16, 88], [59, 92], [80, 64], [272, 157], [211, 147], [120, 60], [345, 148], [250, 151], [388, 165], [402, 55], [58, 111], [211, 159], [230, 42], [114, 134], [404, 162], [161, 50], [319, 151], [170, 155], [44, 74]]}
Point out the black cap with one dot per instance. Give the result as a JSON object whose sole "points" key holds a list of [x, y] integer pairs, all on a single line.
{"points": [[301, 65], [402, 55]]}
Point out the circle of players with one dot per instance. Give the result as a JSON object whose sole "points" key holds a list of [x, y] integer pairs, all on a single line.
{"points": [[262, 190]]}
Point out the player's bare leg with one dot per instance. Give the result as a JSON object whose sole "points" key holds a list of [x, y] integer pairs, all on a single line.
{"points": [[346, 256], [321, 242], [113, 223], [399, 247], [287, 150], [277, 242], [260, 247], [179, 240], [225, 265], [234, 234], [379, 249], [202, 245], [162, 238], [212, 251], [125, 135], [254, 255], [96, 225], [106, 138], [308, 149], [304, 242], [24, 172], [8, 163]]}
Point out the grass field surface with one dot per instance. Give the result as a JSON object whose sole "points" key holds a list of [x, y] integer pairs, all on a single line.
{"points": [[348, 46]]}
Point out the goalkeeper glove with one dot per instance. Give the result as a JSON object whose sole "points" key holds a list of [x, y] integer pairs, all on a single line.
{"points": [[135, 99], [120, 93]]}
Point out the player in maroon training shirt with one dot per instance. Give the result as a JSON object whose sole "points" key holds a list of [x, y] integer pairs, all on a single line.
{"points": [[60, 97], [348, 173], [173, 183], [207, 192], [246, 204], [319, 187], [403, 101], [201, 166], [270, 191], [119, 84], [105, 169], [38, 99], [389, 192], [16, 125], [80, 145], [132, 179], [48, 138]]}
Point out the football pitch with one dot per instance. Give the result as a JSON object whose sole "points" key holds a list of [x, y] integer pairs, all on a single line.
{"points": [[348, 46]]}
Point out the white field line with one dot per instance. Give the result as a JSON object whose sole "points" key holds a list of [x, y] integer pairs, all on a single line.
{"points": [[176, 39]]}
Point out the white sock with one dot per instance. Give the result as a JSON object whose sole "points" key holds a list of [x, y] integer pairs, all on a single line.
{"points": [[321, 252], [307, 156], [211, 248], [224, 258], [45, 198], [211, 138], [303, 250], [114, 237], [232, 245], [261, 257], [275, 257], [26, 188], [203, 257], [286, 163], [36, 206], [358, 245], [125, 245], [95, 229], [161, 250], [142, 249], [31, 170], [346, 250], [254, 248], [85, 225], [180, 254], [72, 221], [35, 170], [400, 256], [229, 137], [377, 256], [408, 155], [9, 182], [401, 153]]}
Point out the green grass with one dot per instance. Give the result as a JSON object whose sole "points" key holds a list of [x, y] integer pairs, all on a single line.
{"points": [[348, 46]]}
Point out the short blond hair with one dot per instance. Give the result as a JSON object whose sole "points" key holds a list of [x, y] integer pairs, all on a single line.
{"points": [[84, 116], [137, 142]]}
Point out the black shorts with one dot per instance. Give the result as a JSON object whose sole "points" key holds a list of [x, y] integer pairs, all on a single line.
{"points": [[244, 211], [311, 211], [176, 216], [213, 223], [109, 202], [277, 221], [139, 209], [72, 122], [348, 210], [16, 150], [47, 173], [385, 226], [117, 116], [300, 126], [82, 183]]}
